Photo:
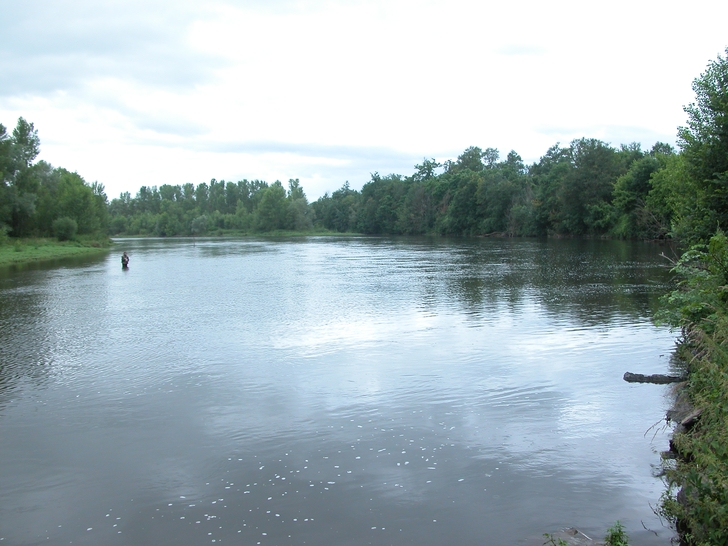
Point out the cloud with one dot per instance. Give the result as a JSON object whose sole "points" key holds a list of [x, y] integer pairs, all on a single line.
{"points": [[53, 46], [521, 49], [329, 152], [611, 134]]}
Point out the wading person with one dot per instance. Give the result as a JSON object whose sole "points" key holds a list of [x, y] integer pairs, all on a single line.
{"points": [[124, 261]]}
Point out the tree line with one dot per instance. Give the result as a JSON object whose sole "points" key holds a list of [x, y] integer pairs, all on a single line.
{"points": [[585, 188], [244, 206]]}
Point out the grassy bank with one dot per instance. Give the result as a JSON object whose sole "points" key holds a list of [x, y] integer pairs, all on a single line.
{"points": [[28, 250], [697, 498]]}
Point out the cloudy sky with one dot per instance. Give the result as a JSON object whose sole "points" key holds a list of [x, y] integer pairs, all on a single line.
{"points": [[132, 93]]}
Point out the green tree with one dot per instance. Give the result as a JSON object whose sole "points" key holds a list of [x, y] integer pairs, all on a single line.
{"points": [[65, 228], [300, 214], [640, 210], [630, 191], [380, 201], [202, 195], [704, 145], [76, 199], [667, 206], [18, 181], [217, 197], [505, 199], [417, 212], [147, 200], [586, 191], [426, 170], [547, 177], [26, 143], [199, 225], [271, 212], [460, 213], [338, 211]]}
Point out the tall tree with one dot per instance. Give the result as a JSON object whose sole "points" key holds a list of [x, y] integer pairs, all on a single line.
{"points": [[586, 191], [704, 144], [19, 189]]}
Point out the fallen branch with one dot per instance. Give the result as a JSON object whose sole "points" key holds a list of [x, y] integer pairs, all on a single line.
{"points": [[657, 378]]}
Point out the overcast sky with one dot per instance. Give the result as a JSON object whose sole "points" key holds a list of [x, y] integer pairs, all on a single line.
{"points": [[132, 93]]}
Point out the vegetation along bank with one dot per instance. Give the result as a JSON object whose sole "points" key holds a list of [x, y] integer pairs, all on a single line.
{"points": [[697, 496], [27, 250]]}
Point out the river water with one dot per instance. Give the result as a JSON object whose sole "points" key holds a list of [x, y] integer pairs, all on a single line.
{"points": [[332, 391]]}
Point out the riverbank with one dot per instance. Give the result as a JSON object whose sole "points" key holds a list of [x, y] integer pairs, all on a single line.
{"points": [[34, 250], [697, 466]]}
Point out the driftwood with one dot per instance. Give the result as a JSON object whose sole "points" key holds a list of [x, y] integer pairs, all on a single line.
{"points": [[658, 378]]}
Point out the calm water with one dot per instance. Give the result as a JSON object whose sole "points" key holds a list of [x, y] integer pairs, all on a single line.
{"points": [[331, 391]]}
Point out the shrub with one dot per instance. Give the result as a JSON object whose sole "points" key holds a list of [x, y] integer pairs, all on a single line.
{"points": [[616, 536], [697, 498], [4, 230], [65, 228], [199, 225]]}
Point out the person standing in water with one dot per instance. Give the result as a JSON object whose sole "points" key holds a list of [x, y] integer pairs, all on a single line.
{"points": [[125, 261]]}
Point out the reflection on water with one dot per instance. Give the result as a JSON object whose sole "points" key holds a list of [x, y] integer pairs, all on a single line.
{"points": [[332, 391]]}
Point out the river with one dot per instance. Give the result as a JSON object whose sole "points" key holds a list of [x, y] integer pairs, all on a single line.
{"points": [[333, 391]]}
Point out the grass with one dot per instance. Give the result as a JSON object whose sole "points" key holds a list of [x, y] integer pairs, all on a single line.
{"points": [[616, 536], [697, 497], [32, 250]]}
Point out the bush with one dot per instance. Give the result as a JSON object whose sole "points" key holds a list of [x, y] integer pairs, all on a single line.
{"points": [[65, 228], [616, 536], [199, 225], [702, 292], [697, 498], [4, 230]]}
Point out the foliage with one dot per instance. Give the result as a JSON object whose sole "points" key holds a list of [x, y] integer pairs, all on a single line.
{"points": [[692, 191], [699, 306], [616, 536], [271, 211], [34, 195], [635, 215], [587, 186], [552, 541], [702, 291], [65, 228], [480, 194], [199, 225], [667, 210], [704, 145], [701, 507]]}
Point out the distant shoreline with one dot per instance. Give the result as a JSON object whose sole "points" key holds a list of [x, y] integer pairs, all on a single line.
{"points": [[31, 250]]}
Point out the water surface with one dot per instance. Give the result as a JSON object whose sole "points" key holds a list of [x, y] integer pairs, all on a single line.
{"points": [[331, 391]]}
